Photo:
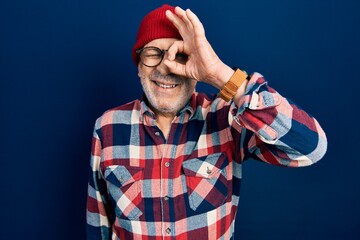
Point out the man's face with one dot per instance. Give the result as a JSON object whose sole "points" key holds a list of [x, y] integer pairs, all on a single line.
{"points": [[166, 92]]}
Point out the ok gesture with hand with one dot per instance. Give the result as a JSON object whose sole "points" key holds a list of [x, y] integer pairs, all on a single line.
{"points": [[203, 64]]}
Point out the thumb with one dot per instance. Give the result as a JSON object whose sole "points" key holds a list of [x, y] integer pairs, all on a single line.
{"points": [[175, 67]]}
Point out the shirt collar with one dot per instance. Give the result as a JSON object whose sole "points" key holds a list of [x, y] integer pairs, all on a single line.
{"points": [[146, 110]]}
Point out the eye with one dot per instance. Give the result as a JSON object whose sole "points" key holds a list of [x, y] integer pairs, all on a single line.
{"points": [[181, 57], [152, 55]]}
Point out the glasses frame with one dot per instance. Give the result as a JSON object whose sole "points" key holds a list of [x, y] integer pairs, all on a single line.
{"points": [[161, 51]]}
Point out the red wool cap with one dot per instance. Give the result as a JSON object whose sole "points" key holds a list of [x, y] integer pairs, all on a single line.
{"points": [[154, 25]]}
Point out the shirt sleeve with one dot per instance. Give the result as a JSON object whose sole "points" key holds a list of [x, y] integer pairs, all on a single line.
{"points": [[275, 130], [98, 215]]}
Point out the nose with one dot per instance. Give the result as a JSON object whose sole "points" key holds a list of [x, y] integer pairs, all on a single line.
{"points": [[162, 68]]}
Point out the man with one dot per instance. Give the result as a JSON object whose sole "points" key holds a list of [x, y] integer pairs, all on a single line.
{"points": [[168, 165]]}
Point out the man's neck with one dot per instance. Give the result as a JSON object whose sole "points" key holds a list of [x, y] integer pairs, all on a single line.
{"points": [[163, 121]]}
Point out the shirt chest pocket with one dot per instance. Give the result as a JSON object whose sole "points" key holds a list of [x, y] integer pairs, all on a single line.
{"points": [[206, 181], [124, 185]]}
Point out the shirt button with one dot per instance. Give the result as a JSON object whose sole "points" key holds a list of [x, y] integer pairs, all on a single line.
{"points": [[168, 230], [167, 164], [157, 133]]}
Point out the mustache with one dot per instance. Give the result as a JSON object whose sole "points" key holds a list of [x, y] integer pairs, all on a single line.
{"points": [[171, 78]]}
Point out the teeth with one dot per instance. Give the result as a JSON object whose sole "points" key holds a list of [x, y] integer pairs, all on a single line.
{"points": [[165, 86]]}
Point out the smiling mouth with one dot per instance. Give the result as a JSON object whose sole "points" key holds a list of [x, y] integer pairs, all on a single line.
{"points": [[165, 86]]}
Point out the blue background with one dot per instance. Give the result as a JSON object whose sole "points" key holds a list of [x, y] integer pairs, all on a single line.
{"points": [[63, 63]]}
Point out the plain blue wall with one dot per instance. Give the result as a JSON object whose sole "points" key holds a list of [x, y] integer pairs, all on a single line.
{"points": [[63, 63]]}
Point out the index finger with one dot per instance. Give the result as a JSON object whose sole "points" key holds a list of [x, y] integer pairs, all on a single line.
{"points": [[195, 22], [180, 21]]}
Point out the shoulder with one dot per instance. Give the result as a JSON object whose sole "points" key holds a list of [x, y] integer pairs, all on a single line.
{"points": [[123, 114]]}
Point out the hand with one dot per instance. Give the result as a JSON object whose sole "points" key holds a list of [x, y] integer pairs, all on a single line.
{"points": [[203, 64]]}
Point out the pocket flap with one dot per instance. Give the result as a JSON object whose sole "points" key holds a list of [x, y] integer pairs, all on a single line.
{"points": [[205, 167], [123, 175]]}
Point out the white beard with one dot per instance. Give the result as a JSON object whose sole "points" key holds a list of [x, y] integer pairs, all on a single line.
{"points": [[158, 100]]}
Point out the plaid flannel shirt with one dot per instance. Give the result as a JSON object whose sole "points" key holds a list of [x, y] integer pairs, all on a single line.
{"points": [[143, 185]]}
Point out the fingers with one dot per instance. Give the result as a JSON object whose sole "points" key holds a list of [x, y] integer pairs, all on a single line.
{"points": [[193, 39], [171, 62], [186, 22], [195, 22], [176, 47], [175, 67], [183, 16], [178, 23], [191, 20]]}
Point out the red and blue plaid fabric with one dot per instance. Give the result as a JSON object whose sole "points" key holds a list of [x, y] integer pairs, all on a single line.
{"points": [[143, 185]]}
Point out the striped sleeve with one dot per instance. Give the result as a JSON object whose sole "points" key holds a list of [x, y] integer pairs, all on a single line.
{"points": [[275, 130], [97, 216]]}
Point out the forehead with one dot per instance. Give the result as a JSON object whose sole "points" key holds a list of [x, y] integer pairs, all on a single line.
{"points": [[162, 43]]}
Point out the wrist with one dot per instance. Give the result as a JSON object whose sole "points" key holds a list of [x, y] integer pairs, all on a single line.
{"points": [[222, 76], [236, 82]]}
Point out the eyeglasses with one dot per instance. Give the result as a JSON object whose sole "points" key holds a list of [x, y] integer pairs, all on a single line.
{"points": [[152, 56]]}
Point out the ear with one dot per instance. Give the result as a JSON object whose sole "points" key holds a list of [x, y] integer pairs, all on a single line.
{"points": [[139, 70], [141, 74]]}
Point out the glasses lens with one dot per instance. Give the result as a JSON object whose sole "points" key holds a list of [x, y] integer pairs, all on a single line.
{"points": [[151, 56]]}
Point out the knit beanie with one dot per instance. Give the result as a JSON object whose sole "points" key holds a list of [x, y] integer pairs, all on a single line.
{"points": [[154, 25]]}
